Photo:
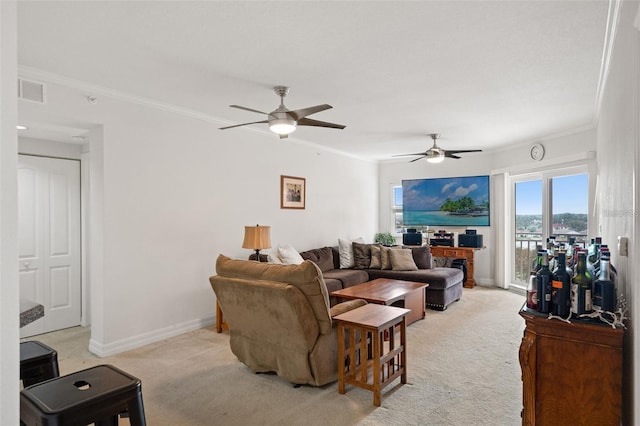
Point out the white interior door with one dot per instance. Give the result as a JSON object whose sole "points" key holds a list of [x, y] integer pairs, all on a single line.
{"points": [[49, 240]]}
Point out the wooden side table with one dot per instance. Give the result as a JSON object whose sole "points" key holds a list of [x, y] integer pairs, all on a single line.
{"points": [[366, 360]]}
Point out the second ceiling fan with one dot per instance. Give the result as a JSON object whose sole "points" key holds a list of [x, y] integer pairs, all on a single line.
{"points": [[435, 154], [283, 121]]}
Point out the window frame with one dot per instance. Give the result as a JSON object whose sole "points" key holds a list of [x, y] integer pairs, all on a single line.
{"points": [[546, 176]]}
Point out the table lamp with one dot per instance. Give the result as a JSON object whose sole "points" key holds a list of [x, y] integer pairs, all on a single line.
{"points": [[257, 238]]}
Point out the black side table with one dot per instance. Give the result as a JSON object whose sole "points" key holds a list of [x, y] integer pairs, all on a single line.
{"points": [[97, 394]]}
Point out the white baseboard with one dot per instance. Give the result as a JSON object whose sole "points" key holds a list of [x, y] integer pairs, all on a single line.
{"points": [[486, 282], [133, 342]]}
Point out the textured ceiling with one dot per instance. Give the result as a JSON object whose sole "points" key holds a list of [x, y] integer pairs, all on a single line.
{"points": [[482, 73]]}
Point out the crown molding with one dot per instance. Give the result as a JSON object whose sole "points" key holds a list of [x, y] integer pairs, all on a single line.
{"points": [[613, 18], [93, 89]]}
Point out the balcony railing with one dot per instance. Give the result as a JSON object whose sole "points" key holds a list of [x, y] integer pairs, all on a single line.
{"points": [[526, 244]]}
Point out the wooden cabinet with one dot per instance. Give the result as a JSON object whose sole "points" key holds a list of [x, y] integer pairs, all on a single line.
{"points": [[458, 253], [571, 373]]}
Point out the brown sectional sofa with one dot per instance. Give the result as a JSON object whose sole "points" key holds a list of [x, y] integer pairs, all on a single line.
{"points": [[445, 284]]}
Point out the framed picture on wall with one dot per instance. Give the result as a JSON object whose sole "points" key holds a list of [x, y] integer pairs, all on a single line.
{"points": [[292, 192]]}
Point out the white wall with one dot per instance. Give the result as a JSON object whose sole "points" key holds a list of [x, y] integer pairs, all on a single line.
{"points": [[618, 191], [560, 150], [169, 192], [9, 296]]}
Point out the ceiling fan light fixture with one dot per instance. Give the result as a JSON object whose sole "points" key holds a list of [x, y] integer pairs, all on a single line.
{"points": [[436, 159], [282, 126]]}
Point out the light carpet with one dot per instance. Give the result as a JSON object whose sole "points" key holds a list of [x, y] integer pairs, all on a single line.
{"points": [[463, 369]]}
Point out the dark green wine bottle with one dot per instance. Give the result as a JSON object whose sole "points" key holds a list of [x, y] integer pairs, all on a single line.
{"points": [[543, 276], [581, 288], [561, 288]]}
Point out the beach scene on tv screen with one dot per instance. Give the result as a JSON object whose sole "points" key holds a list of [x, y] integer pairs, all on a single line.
{"points": [[458, 201]]}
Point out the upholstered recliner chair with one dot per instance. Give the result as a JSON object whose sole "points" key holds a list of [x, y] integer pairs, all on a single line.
{"points": [[279, 318]]}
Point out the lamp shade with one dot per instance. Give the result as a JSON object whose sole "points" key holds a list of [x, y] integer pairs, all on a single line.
{"points": [[257, 237]]}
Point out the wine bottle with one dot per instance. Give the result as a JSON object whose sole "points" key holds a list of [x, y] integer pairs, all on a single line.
{"points": [[543, 276], [581, 288], [604, 289], [561, 284]]}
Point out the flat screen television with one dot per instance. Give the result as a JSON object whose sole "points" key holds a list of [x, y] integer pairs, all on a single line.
{"points": [[452, 201]]}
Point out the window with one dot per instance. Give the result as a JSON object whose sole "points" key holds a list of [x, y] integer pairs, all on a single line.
{"points": [[548, 204], [396, 214]]}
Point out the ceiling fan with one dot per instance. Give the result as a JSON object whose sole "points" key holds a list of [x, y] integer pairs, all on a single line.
{"points": [[283, 121], [435, 154]]}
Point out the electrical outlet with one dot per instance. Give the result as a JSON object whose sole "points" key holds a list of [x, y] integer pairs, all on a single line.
{"points": [[623, 246]]}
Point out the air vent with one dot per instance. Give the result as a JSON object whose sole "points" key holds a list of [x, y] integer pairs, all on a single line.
{"points": [[31, 91]]}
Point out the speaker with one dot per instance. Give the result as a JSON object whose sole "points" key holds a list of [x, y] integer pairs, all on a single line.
{"points": [[471, 232], [465, 240], [412, 239], [412, 230]]}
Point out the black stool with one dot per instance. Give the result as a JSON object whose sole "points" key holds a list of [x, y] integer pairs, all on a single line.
{"points": [[97, 394], [38, 362]]}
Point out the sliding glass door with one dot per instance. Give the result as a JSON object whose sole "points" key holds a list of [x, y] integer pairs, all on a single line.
{"points": [[547, 204], [528, 226]]}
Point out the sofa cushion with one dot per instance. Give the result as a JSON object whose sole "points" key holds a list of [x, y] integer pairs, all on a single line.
{"points": [[323, 257], [422, 257], [332, 285], [346, 252], [361, 255], [402, 260], [349, 277], [375, 257]]}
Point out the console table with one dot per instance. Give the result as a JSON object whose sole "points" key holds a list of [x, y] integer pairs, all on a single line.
{"points": [[571, 373], [458, 253]]}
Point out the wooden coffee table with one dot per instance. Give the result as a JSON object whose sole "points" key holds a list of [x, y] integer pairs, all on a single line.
{"points": [[385, 291]]}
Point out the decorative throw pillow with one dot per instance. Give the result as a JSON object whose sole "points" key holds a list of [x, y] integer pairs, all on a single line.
{"points": [[345, 248], [422, 257], [289, 255], [361, 255], [385, 259], [323, 257], [402, 260], [375, 257], [273, 257]]}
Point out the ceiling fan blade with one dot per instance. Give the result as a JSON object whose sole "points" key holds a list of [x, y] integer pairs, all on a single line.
{"points": [[416, 159], [301, 113], [462, 151], [448, 155], [317, 123], [244, 124], [247, 109], [407, 155]]}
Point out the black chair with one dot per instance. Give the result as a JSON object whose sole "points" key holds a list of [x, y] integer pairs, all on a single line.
{"points": [[38, 362], [95, 395]]}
